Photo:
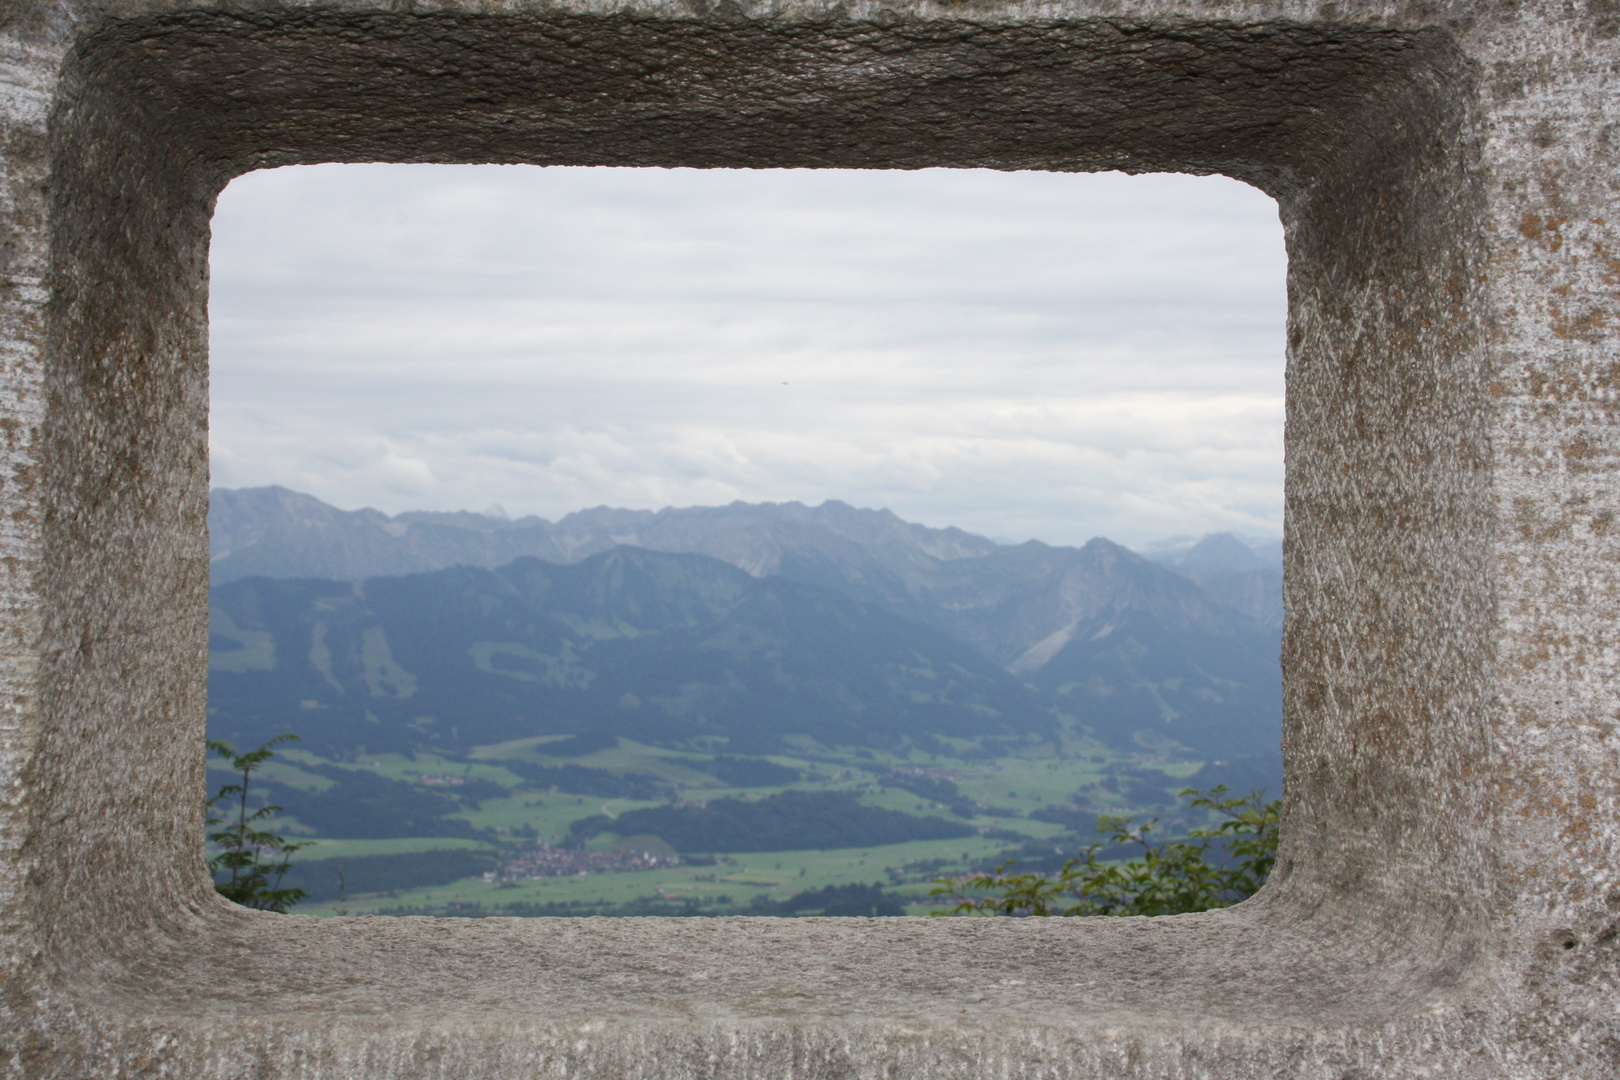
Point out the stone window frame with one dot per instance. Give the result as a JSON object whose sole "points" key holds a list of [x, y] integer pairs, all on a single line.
{"points": [[1381, 939]]}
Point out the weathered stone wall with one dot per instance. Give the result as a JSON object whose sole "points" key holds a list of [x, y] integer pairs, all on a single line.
{"points": [[1447, 900]]}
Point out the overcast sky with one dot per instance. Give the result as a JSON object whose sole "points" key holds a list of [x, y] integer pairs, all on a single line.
{"points": [[1023, 355]]}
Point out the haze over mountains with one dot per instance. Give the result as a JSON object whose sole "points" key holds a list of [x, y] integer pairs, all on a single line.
{"points": [[274, 532], [747, 628]]}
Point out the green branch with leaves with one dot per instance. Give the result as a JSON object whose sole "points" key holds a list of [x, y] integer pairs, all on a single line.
{"points": [[1169, 877], [255, 858]]}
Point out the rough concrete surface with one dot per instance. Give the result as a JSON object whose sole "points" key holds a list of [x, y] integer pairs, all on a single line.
{"points": [[1447, 902]]}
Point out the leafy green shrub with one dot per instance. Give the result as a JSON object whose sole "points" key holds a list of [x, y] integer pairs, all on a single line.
{"points": [[1170, 877], [254, 881]]}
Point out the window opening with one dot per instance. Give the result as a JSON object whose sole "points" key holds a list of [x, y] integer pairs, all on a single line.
{"points": [[786, 596]]}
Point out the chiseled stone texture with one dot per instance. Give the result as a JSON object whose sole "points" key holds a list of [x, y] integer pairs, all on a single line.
{"points": [[1448, 898]]}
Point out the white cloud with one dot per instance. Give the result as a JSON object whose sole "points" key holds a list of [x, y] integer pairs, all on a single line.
{"points": [[1021, 354]]}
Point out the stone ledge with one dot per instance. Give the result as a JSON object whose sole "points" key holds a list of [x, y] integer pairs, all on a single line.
{"points": [[1447, 899], [1223, 993]]}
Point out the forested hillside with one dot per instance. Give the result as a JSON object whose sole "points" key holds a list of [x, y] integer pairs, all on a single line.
{"points": [[667, 650]]}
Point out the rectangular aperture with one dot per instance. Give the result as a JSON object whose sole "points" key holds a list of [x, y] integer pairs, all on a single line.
{"points": [[846, 531]]}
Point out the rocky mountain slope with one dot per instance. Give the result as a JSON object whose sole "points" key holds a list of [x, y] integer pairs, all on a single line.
{"points": [[930, 575], [660, 648], [1233, 574], [751, 623]]}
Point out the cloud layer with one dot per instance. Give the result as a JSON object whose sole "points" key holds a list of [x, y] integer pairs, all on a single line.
{"points": [[1021, 354]]}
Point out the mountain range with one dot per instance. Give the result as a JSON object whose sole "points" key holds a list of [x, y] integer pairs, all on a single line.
{"points": [[744, 627]]}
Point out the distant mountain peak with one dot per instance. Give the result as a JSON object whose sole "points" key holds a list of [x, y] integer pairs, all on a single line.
{"points": [[1174, 551], [1220, 553], [1245, 575]]}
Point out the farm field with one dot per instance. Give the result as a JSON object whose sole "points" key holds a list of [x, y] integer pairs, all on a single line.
{"points": [[494, 810]]}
